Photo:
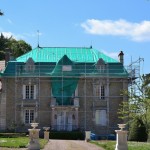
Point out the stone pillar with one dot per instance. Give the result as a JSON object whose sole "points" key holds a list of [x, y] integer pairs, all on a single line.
{"points": [[76, 117], [87, 136], [34, 139], [46, 135], [121, 143], [53, 118]]}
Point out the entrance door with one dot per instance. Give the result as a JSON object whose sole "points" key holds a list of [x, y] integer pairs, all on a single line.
{"points": [[61, 121], [69, 122]]}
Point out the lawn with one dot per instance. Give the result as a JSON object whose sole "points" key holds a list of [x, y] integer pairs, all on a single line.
{"points": [[110, 145], [18, 142]]}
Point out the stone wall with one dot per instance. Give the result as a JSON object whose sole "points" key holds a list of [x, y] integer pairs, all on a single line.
{"points": [[88, 103]]}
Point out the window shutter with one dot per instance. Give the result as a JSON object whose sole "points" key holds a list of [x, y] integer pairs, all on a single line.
{"points": [[35, 91], [103, 119], [76, 91], [97, 116], [24, 91]]}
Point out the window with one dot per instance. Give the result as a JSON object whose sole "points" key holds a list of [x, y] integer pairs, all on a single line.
{"points": [[101, 117], [29, 91], [100, 91], [75, 93], [101, 68], [29, 66], [66, 68], [29, 116], [0, 85]]}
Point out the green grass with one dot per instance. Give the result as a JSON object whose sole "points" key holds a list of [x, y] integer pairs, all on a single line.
{"points": [[18, 142], [110, 145]]}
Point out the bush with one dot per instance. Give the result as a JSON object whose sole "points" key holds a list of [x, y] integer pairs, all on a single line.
{"points": [[74, 135], [12, 135], [137, 131]]}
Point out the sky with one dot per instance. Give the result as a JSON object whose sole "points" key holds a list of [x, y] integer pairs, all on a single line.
{"points": [[110, 26]]}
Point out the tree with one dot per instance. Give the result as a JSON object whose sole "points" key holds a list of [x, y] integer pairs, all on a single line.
{"points": [[18, 47], [1, 13], [137, 131], [138, 105]]}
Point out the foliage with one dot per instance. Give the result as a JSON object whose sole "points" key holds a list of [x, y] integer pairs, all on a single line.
{"points": [[137, 131], [18, 142], [12, 135], [74, 135], [1, 13], [138, 104], [17, 47], [110, 145]]}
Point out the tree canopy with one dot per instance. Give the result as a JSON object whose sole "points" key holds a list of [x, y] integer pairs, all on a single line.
{"points": [[1, 13], [18, 47], [138, 105]]}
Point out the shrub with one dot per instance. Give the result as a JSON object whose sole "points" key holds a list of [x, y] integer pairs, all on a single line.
{"points": [[74, 135], [12, 135], [137, 131]]}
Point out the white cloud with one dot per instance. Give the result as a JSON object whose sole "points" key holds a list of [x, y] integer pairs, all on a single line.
{"points": [[134, 31], [15, 36], [33, 34], [9, 21], [7, 34], [111, 54]]}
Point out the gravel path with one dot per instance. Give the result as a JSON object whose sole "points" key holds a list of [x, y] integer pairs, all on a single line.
{"points": [[70, 145], [64, 145]]}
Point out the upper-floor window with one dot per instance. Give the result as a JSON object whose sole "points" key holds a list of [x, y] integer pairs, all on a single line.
{"points": [[101, 66], [29, 91], [75, 93], [29, 116], [66, 68], [101, 117], [29, 66], [0, 86], [100, 91]]}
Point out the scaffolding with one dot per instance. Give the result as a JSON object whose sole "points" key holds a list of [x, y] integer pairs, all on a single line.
{"points": [[135, 71], [68, 88]]}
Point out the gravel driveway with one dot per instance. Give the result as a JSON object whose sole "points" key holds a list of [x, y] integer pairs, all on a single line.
{"points": [[70, 145], [64, 145]]}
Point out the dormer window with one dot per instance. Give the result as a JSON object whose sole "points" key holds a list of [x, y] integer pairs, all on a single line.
{"points": [[66, 68], [100, 65], [29, 66]]}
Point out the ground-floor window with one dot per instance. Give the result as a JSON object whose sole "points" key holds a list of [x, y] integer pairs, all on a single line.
{"points": [[29, 116], [101, 117]]}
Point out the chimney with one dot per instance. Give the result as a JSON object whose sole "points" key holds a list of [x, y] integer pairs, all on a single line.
{"points": [[7, 55], [121, 57]]}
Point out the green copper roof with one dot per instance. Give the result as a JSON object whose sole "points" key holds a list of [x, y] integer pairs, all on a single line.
{"points": [[54, 54], [49, 61]]}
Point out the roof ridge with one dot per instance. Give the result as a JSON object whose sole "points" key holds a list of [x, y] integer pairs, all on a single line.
{"points": [[63, 47]]}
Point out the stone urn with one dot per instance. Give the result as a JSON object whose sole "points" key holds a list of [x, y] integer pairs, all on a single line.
{"points": [[46, 128], [34, 125], [46, 132], [34, 137], [121, 126], [121, 141]]}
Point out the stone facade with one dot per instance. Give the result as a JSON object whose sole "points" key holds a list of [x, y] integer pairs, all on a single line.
{"points": [[82, 115], [63, 90]]}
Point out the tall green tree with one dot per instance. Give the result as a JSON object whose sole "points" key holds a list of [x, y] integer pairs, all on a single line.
{"points": [[18, 47], [138, 104], [1, 13]]}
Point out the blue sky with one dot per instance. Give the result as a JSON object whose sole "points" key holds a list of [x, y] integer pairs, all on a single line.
{"points": [[107, 25]]}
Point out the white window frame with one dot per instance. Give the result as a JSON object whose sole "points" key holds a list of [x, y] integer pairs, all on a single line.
{"points": [[31, 116], [66, 68], [101, 68], [101, 117], [75, 94], [29, 91], [100, 91]]}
